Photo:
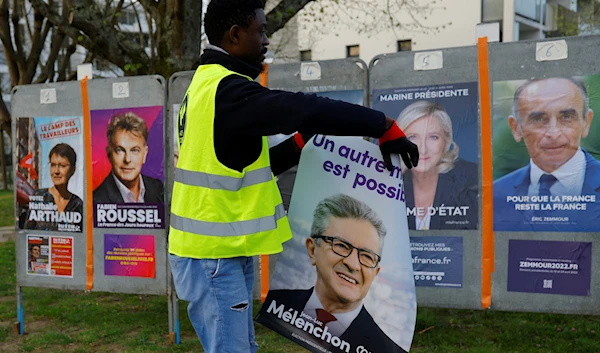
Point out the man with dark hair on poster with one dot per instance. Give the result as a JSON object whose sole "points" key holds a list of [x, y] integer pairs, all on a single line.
{"points": [[127, 149], [551, 116], [341, 225]]}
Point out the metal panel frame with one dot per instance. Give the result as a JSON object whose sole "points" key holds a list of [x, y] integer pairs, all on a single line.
{"points": [[515, 61], [460, 65]]}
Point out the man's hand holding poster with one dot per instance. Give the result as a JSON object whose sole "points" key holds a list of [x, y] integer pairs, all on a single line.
{"points": [[344, 283]]}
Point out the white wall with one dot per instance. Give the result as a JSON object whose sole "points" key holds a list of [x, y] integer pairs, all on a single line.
{"points": [[328, 33]]}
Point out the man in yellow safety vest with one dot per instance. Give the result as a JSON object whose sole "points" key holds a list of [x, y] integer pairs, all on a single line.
{"points": [[226, 206]]}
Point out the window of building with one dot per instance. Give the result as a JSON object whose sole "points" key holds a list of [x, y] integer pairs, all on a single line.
{"points": [[127, 18], [352, 51], [305, 55], [405, 45]]}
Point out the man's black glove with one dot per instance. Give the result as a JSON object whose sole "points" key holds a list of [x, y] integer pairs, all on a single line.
{"points": [[395, 141]]}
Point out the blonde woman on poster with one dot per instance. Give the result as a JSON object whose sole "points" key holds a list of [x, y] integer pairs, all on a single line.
{"points": [[442, 187]]}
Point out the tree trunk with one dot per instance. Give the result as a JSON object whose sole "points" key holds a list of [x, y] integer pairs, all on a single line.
{"points": [[192, 24], [2, 163]]}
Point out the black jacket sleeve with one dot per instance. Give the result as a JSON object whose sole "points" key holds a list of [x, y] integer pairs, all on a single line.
{"points": [[284, 156], [253, 110]]}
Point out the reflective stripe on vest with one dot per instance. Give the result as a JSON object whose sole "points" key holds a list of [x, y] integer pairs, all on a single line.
{"points": [[228, 229], [223, 182]]}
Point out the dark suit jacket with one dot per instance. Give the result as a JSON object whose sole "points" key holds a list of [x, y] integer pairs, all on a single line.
{"points": [[362, 331], [458, 187], [506, 218], [108, 192]]}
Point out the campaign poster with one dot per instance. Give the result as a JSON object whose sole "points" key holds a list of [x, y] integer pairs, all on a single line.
{"points": [[286, 180], [549, 267], [437, 261], [442, 190], [344, 282], [128, 167], [129, 255], [545, 154], [50, 255], [49, 173]]}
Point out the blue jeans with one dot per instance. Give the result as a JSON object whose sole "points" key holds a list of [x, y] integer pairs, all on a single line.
{"points": [[219, 293]]}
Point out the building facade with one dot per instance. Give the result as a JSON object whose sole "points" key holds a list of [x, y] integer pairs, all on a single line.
{"points": [[327, 32]]}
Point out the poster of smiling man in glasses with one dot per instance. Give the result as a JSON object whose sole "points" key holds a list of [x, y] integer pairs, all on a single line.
{"points": [[344, 283]]}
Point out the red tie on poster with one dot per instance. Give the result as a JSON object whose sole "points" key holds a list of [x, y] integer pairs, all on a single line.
{"points": [[487, 196], [324, 316], [264, 259]]}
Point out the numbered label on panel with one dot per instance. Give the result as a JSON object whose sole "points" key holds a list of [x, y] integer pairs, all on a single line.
{"points": [[310, 71], [47, 96], [120, 89], [548, 51], [430, 60]]}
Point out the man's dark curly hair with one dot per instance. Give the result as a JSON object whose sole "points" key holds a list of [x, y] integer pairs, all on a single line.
{"points": [[221, 15]]}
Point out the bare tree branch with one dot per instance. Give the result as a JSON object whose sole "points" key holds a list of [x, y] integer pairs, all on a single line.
{"points": [[47, 73], [37, 45], [17, 32], [87, 26], [116, 13], [12, 58], [283, 13], [62, 70], [5, 118]]}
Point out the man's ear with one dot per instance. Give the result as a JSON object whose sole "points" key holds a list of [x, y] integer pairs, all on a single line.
{"points": [[108, 149], [234, 34], [588, 121], [514, 127], [145, 153], [310, 248]]}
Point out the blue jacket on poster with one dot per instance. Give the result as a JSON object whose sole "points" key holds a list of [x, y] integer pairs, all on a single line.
{"points": [[506, 218]]}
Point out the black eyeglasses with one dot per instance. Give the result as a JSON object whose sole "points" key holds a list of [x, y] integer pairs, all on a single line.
{"points": [[341, 247]]}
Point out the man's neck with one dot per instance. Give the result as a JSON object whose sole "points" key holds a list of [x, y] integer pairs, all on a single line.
{"points": [[220, 56], [133, 186], [331, 305]]}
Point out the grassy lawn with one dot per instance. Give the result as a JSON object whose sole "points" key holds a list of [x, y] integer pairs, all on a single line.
{"points": [[7, 207], [72, 321]]}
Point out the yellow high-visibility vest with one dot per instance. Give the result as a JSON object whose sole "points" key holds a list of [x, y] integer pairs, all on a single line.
{"points": [[218, 212]]}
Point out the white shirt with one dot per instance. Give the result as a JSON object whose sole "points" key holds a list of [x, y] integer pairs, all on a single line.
{"points": [[423, 224], [338, 327], [570, 176], [127, 195]]}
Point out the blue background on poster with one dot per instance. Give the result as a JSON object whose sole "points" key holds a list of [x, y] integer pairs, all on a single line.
{"points": [[463, 112], [549, 267], [447, 251]]}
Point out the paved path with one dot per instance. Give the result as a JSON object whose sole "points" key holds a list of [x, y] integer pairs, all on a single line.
{"points": [[7, 233]]}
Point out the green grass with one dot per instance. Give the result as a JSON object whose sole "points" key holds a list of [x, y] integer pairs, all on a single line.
{"points": [[75, 321], [7, 208]]}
